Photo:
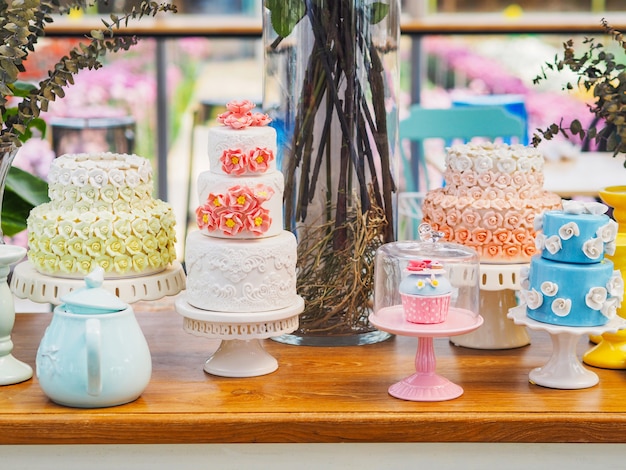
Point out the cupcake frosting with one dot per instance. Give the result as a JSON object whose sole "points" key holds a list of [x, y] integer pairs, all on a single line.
{"points": [[425, 278]]}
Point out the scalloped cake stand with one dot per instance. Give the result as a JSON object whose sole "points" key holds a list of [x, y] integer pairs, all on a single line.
{"points": [[425, 384], [564, 370], [27, 283], [240, 353], [12, 370], [498, 283]]}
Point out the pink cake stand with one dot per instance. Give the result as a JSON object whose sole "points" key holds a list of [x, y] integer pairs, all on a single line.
{"points": [[425, 384], [564, 370]]}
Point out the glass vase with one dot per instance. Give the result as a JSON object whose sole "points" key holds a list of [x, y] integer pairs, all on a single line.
{"points": [[331, 84], [7, 155]]}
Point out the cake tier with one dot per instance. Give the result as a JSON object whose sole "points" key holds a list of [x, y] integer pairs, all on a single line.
{"points": [[99, 181], [240, 207], [247, 151], [572, 294], [254, 275], [500, 230], [576, 238], [498, 170], [72, 243]]}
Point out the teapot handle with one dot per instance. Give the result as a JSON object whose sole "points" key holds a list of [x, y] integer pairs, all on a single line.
{"points": [[93, 341]]}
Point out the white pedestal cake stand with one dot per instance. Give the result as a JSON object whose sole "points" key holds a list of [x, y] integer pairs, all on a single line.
{"points": [[240, 353], [425, 384], [498, 283], [27, 283], [564, 370]]}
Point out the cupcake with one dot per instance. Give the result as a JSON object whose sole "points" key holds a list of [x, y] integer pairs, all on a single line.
{"points": [[425, 292]]}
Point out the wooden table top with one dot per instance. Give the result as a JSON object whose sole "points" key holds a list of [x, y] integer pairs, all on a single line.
{"points": [[336, 394]]}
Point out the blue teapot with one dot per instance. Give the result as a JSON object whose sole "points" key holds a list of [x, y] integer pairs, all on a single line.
{"points": [[93, 353]]}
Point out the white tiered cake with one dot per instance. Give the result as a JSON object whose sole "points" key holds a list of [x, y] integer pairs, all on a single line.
{"points": [[241, 264]]}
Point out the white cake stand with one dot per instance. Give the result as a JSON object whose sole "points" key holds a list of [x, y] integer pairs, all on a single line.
{"points": [[564, 370], [425, 384], [27, 283], [498, 283], [240, 353]]}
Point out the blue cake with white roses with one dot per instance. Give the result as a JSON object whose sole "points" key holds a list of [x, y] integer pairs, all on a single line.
{"points": [[571, 283]]}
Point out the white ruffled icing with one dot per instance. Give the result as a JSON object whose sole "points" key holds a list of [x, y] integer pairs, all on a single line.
{"points": [[581, 207]]}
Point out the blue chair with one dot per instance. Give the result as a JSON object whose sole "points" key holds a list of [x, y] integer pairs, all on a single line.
{"points": [[460, 124]]}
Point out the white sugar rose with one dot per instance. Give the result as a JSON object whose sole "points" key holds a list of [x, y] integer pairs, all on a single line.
{"points": [[525, 164], [105, 262], [483, 164], [506, 165], [593, 248], [615, 286], [132, 178], [608, 232], [67, 264], [122, 264], [609, 308], [84, 264], [540, 241], [80, 177], [88, 194], [609, 248], [596, 297], [94, 246], [103, 228], [116, 177], [64, 177], [140, 262], [553, 244], [538, 222], [534, 299], [462, 163], [98, 177], [561, 307], [549, 288], [569, 230], [76, 246]]}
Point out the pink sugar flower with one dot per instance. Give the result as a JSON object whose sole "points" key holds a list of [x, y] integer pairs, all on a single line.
{"points": [[230, 223], [222, 117], [240, 107], [263, 193], [260, 119], [215, 202], [205, 218], [234, 162], [242, 199], [260, 159], [259, 221], [238, 121]]}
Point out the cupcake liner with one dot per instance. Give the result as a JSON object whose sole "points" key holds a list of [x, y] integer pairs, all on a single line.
{"points": [[426, 309]]}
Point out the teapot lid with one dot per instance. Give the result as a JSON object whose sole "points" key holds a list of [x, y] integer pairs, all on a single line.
{"points": [[93, 299]]}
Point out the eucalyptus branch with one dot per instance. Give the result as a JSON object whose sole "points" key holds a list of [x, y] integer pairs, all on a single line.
{"points": [[20, 28], [597, 70]]}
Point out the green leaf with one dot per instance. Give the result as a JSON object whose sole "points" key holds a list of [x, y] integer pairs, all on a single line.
{"points": [[285, 15], [377, 12], [23, 191], [30, 188]]}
